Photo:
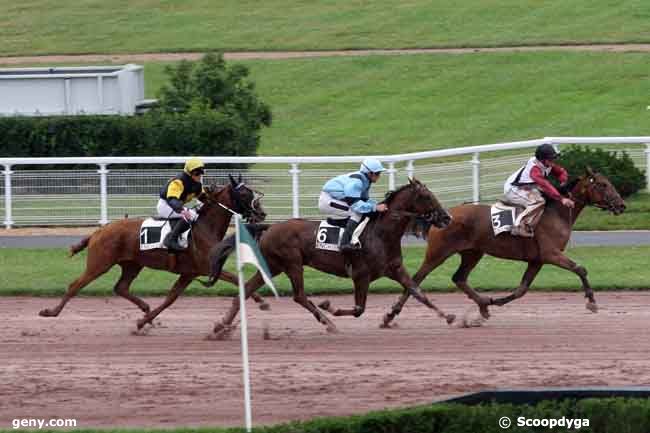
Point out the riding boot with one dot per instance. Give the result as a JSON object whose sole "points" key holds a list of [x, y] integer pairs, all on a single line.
{"points": [[171, 240], [345, 245]]}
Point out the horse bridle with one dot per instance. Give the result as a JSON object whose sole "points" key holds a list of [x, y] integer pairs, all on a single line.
{"points": [[609, 200]]}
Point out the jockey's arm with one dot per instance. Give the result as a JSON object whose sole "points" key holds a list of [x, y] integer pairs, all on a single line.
{"points": [[353, 191], [174, 191], [543, 184], [361, 206]]}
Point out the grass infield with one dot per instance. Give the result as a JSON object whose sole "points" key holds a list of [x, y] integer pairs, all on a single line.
{"points": [[47, 272]]}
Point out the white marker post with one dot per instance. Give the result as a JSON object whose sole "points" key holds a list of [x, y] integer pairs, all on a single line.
{"points": [[244, 334]]}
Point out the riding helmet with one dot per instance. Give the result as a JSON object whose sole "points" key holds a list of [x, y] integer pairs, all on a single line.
{"points": [[371, 165], [546, 151], [194, 165]]}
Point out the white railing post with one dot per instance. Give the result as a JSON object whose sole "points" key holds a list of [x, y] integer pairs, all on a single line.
{"points": [[295, 189], [103, 194], [647, 167], [476, 178], [409, 168], [7, 172], [391, 176]]}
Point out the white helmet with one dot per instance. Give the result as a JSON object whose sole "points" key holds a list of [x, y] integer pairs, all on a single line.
{"points": [[371, 165]]}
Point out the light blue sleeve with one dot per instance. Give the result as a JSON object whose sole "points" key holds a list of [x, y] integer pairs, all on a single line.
{"points": [[364, 206], [352, 188]]}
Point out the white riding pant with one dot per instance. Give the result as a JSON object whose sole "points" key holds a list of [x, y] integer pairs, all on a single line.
{"points": [[529, 197], [165, 211], [337, 209]]}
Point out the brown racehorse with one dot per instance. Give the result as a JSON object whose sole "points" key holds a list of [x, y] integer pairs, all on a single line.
{"points": [[291, 245], [470, 234], [119, 243]]}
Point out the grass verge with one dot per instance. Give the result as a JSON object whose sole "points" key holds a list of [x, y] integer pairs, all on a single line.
{"points": [[47, 272]]}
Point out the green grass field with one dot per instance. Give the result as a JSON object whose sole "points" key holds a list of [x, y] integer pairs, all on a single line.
{"points": [[91, 26], [49, 271], [399, 104]]}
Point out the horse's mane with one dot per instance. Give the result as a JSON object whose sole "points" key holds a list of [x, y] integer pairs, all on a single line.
{"points": [[417, 226], [568, 187], [390, 195]]}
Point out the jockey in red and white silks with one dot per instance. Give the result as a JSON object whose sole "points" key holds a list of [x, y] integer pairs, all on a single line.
{"points": [[525, 187]]}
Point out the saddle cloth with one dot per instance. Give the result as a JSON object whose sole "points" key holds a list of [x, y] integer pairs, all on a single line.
{"points": [[153, 232], [328, 236], [503, 216]]}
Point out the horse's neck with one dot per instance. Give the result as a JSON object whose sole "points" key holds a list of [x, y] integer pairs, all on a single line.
{"points": [[571, 215], [212, 226], [389, 229]]}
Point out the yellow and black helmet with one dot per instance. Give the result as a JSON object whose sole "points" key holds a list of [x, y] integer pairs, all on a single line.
{"points": [[194, 164]]}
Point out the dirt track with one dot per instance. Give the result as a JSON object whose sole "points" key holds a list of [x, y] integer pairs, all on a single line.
{"points": [[87, 365]]}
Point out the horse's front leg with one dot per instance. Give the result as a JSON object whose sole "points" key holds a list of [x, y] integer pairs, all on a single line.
{"points": [[557, 258], [398, 273], [361, 285], [179, 286]]}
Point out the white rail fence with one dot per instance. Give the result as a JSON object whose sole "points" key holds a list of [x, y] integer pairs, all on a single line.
{"points": [[291, 184]]}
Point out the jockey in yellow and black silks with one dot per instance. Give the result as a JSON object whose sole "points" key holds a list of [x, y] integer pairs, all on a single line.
{"points": [[175, 194]]}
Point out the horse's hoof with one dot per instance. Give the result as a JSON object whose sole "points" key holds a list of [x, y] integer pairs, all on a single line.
{"points": [[325, 305], [265, 306], [484, 311], [140, 332], [332, 329], [220, 333], [146, 309], [45, 313], [218, 337], [592, 306], [140, 323], [389, 325], [451, 318]]}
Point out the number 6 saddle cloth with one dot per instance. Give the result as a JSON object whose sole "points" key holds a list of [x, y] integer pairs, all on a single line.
{"points": [[329, 233], [504, 215]]}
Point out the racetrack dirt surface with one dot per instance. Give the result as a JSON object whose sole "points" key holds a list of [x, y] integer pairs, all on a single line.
{"points": [[87, 365]]}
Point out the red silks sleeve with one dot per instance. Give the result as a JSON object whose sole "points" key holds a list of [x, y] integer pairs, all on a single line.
{"points": [[543, 184]]}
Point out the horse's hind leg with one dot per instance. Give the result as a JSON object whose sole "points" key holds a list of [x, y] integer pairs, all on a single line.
{"points": [[130, 271], [469, 259], [232, 279], [94, 269], [251, 286], [295, 274], [530, 274], [181, 283], [400, 274]]}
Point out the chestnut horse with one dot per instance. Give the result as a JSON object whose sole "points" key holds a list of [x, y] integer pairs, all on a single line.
{"points": [[119, 243], [470, 234], [291, 245]]}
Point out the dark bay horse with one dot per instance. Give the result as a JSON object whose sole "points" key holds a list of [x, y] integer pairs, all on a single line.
{"points": [[119, 243], [290, 245], [470, 234]]}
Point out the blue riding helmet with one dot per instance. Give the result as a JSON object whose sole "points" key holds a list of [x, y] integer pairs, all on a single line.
{"points": [[371, 165]]}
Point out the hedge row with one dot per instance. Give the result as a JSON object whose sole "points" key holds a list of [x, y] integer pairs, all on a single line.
{"points": [[603, 415], [155, 134], [617, 166]]}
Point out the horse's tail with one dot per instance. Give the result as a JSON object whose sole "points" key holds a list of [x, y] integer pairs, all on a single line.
{"points": [[74, 249], [220, 252]]}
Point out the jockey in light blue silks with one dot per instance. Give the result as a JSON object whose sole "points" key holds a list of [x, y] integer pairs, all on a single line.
{"points": [[347, 196]]}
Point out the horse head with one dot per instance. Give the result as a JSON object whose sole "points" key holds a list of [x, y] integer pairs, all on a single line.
{"points": [[417, 200], [595, 189], [237, 196]]}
